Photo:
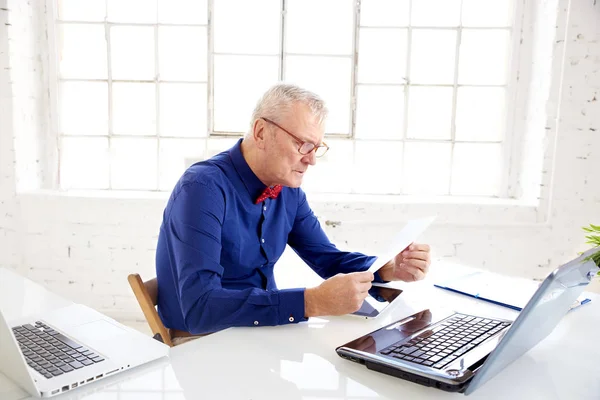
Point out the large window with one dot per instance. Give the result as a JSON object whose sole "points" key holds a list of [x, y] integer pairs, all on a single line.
{"points": [[417, 89]]}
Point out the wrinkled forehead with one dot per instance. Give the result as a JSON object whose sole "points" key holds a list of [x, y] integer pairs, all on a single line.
{"points": [[300, 121]]}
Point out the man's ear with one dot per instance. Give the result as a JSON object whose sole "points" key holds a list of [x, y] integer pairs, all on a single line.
{"points": [[259, 133]]}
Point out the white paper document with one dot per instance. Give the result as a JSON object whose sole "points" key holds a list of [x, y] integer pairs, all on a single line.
{"points": [[410, 233], [507, 291]]}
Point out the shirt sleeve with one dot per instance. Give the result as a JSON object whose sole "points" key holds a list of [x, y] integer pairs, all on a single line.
{"points": [[310, 242], [193, 233]]}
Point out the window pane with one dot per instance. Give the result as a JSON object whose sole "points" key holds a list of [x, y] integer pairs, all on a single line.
{"points": [[82, 51], [331, 25], [332, 173], [480, 114], [429, 112], [247, 27], [134, 108], [84, 163], [176, 155], [487, 13], [330, 78], [433, 56], [435, 13], [77, 10], [182, 53], [384, 12], [380, 112], [139, 11], [133, 163], [183, 109], [84, 108], [182, 11], [484, 57], [427, 168], [240, 81], [132, 51], [476, 169], [371, 159], [382, 56]]}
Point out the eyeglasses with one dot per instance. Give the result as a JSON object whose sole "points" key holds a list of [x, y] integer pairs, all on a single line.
{"points": [[305, 147]]}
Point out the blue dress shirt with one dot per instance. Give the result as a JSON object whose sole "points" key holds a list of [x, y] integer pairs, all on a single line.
{"points": [[217, 249]]}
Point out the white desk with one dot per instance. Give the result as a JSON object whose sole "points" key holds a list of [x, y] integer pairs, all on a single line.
{"points": [[299, 362]]}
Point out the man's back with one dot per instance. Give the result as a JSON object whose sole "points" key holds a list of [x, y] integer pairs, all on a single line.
{"points": [[212, 214]]}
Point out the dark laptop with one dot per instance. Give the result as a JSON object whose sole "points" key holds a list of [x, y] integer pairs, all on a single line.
{"points": [[458, 351]]}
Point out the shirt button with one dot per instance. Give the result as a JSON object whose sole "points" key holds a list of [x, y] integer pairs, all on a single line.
{"points": [[255, 322], [262, 240], [265, 208], [291, 319]]}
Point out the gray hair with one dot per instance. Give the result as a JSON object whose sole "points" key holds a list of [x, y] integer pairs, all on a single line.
{"points": [[281, 97]]}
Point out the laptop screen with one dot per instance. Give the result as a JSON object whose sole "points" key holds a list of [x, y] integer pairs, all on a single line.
{"points": [[540, 316]]}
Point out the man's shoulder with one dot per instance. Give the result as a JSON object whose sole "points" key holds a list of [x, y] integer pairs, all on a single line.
{"points": [[209, 173]]}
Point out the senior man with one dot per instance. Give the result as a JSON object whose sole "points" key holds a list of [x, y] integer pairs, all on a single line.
{"points": [[230, 217]]}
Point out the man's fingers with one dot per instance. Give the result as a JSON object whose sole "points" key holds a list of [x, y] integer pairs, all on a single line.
{"points": [[364, 287], [414, 263], [418, 247], [416, 273], [364, 276], [419, 255]]}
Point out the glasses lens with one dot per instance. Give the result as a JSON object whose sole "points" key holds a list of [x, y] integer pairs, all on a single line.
{"points": [[320, 152], [306, 148]]}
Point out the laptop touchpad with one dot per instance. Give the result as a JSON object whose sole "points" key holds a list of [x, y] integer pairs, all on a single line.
{"points": [[97, 332]]}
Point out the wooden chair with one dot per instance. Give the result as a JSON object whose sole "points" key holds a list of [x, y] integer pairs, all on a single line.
{"points": [[146, 294]]}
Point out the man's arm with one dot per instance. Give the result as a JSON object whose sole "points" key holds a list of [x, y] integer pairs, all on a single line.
{"points": [[310, 242], [193, 234]]}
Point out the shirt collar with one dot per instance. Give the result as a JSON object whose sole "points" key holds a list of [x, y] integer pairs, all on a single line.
{"points": [[254, 185]]}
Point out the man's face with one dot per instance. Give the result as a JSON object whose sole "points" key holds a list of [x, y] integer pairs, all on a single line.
{"points": [[286, 165]]}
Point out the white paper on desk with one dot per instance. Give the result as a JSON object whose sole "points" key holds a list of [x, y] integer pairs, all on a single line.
{"points": [[509, 291], [410, 233]]}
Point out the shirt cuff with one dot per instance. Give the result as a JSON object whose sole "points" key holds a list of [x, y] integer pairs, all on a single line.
{"points": [[291, 306]]}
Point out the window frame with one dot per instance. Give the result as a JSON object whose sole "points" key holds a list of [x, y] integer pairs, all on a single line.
{"points": [[510, 143]]}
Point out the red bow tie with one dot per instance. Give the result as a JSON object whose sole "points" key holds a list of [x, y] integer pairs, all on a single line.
{"points": [[269, 193]]}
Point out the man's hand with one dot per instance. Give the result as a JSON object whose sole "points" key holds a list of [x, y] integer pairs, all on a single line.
{"points": [[338, 295], [409, 265]]}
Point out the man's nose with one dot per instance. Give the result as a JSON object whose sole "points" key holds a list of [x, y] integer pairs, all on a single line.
{"points": [[310, 158]]}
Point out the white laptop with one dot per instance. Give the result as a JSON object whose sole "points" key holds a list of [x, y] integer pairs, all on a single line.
{"points": [[69, 347]]}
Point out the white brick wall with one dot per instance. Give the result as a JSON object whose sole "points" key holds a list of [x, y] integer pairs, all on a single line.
{"points": [[9, 254], [84, 247]]}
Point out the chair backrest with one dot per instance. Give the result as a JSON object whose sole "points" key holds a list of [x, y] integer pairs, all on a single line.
{"points": [[146, 294]]}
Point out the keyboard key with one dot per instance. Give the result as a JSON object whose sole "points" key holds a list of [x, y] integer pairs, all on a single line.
{"points": [[68, 341], [97, 359], [57, 372], [408, 350], [87, 362], [66, 368], [76, 364]]}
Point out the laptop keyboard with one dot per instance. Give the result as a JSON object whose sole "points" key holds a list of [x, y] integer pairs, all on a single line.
{"points": [[446, 342], [50, 352]]}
